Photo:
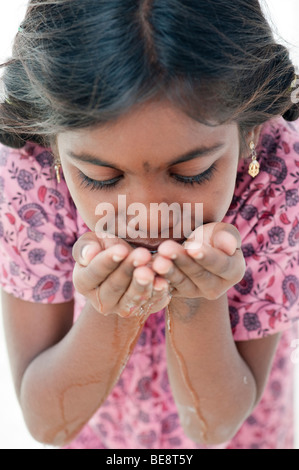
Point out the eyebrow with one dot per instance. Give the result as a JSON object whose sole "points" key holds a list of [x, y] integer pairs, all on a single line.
{"points": [[195, 153]]}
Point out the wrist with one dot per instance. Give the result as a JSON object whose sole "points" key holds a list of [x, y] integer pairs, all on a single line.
{"points": [[113, 321], [184, 308]]}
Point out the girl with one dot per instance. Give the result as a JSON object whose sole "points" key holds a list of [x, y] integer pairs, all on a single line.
{"points": [[123, 342]]}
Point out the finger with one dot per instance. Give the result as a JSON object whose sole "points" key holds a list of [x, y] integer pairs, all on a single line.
{"points": [[226, 237], [129, 282], [90, 244], [85, 248], [100, 266], [170, 269], [180, 258], [117, 282], [138, 293], [154, 297], [171, 249], [221, 235], [217, 262], [160, 284], [194, 277], [205, 261], [108, 261]]}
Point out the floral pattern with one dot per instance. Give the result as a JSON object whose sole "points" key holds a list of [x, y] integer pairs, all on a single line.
{"points": [[265, 211], [39, 224], [34, 233]]}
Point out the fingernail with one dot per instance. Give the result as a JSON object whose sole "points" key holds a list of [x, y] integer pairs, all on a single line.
{"points": [[197, 255], [195, 250], [193, 246], [118, 258], [159, 288], [166, 271], [142, 282], [84, 252]]}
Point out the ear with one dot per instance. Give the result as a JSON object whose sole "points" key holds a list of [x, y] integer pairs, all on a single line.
{"points": [[254, 135], [54, 148]]}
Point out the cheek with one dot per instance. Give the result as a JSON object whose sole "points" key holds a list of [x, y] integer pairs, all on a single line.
{"points": [[87, 208], [221, 195], [215, 211], [84, 200], [89, 204]]}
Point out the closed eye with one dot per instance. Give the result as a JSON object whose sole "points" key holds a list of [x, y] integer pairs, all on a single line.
{"points": [[93, 185], [197, 179], [106, 185]]}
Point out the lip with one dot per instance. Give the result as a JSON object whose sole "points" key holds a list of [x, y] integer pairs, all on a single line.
{"points": [[152, 248]]}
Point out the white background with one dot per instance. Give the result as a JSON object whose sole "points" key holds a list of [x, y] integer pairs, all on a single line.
{"points": [[283, 16]]}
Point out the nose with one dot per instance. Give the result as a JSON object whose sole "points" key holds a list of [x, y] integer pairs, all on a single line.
{"points": [[148, 214], [157, 215], [154, 220]]}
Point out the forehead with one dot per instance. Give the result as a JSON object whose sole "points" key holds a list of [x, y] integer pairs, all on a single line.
{"points": [[151, 130]]}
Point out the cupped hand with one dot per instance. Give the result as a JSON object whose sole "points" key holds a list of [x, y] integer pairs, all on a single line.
{"points": [[115, 279], [207, 269]]}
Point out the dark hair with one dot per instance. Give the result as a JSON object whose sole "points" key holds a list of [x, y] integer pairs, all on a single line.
{"points": [[79, 64]]}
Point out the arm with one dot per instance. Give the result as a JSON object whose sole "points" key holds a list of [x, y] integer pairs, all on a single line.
{"points": [[64, 372], [216, 382], [59, 379]]}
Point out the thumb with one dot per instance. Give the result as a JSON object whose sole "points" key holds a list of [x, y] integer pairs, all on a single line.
{"points": [[226, 237], [90, 244]]}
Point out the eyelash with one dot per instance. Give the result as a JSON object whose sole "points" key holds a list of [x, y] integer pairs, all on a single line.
{"points": [[94, 185], [197, 179]]}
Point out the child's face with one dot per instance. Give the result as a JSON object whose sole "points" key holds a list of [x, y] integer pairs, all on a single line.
{"points": [[140, 149]]}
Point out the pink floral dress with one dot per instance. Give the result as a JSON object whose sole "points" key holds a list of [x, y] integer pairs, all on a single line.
{"points": [[39, 224]]}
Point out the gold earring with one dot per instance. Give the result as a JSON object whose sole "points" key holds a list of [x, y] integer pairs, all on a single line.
{"points": [[254, 167], [57, 167]]}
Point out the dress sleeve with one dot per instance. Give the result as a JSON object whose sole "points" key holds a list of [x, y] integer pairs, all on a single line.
{"points": [[37, 227], [265, 210]]}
